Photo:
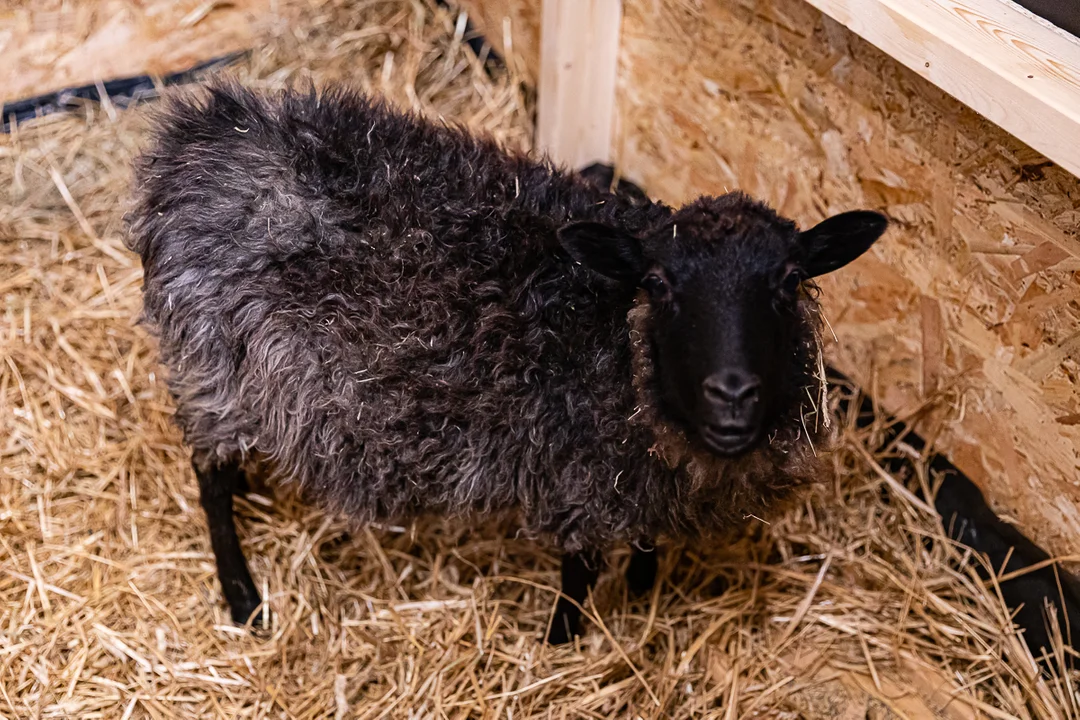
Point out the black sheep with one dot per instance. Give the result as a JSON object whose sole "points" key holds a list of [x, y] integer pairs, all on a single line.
{"points": [[403, 319]]}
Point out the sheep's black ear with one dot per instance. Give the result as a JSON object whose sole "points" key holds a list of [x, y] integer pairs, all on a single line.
{"points": [[609, 251], [833, 243]]}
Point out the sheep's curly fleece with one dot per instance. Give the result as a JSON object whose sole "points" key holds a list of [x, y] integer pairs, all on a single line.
{"points": [[376, 307]]}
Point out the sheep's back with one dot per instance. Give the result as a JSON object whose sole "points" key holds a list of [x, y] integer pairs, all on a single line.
{"points": [[368, 305]]}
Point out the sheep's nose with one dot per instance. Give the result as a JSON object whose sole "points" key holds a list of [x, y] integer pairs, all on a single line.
{"points": [[732, 421], [733, 387]]}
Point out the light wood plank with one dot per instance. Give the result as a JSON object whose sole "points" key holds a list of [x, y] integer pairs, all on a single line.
{"points": [[579, 48], [995, 57]]}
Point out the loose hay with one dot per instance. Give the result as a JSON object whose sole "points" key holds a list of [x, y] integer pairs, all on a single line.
{"points": [[109, 605]]}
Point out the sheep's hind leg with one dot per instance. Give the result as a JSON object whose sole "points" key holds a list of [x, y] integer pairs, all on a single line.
{"points": [[579, 573], [216, 488], [641, 572]]}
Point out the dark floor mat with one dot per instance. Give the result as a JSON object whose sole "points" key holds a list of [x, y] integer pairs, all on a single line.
{"points": [[1063, 13], [122, 92]]}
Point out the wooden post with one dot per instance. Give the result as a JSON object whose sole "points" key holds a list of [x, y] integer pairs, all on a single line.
{"points": [[579, 48]]}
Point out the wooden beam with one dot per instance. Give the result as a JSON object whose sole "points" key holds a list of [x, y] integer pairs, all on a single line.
{"points": [[579, 46], [995, 57]]}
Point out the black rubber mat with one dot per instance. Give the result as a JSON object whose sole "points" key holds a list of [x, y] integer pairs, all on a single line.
{"points": [[122, 92], [968, 520], [1063, 13], [126, 91]]}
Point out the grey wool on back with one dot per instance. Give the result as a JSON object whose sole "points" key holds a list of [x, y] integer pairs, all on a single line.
{"points": [[377, 307]]}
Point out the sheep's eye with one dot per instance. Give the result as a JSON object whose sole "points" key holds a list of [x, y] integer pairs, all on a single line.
{"points": [[791, 282], [656, 286]]}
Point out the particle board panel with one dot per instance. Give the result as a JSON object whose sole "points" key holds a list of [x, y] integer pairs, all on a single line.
{"points": [[992, 55]]}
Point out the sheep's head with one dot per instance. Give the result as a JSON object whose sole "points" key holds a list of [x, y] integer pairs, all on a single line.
{"points": [[731, 327]]}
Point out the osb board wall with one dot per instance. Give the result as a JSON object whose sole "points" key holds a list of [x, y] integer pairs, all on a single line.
{"points": [[51, 45], [966, 317]]}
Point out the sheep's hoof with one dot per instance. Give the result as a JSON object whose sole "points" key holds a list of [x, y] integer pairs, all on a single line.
{"points": [[641, 573], [642, 578], [639, 588], [564, 627], [248, 614], [559, 634]]}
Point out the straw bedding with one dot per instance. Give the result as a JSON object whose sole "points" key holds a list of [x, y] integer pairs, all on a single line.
{"points": [[847, 606]]}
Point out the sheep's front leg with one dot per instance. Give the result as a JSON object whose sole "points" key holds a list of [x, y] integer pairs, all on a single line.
{"points": [[216, 488], [579, 573], [641, 572]]}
